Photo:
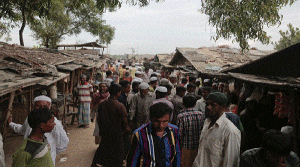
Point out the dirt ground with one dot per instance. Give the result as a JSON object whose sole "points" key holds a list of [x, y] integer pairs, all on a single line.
{"points": [[80, 151]]}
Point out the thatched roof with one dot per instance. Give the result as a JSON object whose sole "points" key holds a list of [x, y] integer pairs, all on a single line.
{"points": [[86, 60], [211, 60], [89, 44], [285, 63], [279, 69]]}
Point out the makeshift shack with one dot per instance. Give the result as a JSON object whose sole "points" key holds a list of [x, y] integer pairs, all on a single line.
{"points": [[209, 61], [279, 73]]}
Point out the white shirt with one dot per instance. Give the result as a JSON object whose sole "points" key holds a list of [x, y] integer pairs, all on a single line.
{"points": [[57, 139], [200, 105], [2, 156], [219, 145]]}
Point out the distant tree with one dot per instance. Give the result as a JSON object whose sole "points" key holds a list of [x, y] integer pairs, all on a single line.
{"points": [[27, 9], [65, 19], [106, 35], [243, 20], [82, 16], [288, 38]]}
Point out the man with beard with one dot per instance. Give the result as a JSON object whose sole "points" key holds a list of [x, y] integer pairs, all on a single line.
{"points": [[139, 109], [220, 139]]}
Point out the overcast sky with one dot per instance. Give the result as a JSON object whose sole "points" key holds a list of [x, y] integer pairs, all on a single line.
{"points": [[161, 27]]}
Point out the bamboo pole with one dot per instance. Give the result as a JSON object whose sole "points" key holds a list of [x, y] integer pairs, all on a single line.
{"points": [[8, 113]]}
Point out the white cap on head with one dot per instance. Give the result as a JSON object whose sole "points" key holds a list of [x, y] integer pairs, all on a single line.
{"points": [[164, 81], [108, 81], [161, 89], [287, 130], [42, 98], [138, 73], [173, 76], [206, 80], [140, 80], [144, 85], [153, 79]]}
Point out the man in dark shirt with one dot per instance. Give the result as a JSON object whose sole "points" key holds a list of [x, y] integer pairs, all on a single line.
{"points": [[276, 151], [112, 121], [124, 93]]}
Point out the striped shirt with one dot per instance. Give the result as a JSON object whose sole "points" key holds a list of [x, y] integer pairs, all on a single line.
{"points": [[148, 149], [190, 124], [84, 92]]}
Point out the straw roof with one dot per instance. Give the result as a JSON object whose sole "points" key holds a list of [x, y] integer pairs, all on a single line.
{"points": [[211, 60]]}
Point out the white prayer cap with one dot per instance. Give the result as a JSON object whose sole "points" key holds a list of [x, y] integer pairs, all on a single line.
{"points": [[287, 130], [138, 73], [164, 81], [161, 89], [144, 85], [42, 98], [206, 80], [108, 81], [153, 79], [136, 79], [173, 76]]}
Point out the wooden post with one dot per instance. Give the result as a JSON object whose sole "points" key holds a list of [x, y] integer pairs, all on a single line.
{"points": [[296, 124], [64, 104], [8, 113], [72, 81]]}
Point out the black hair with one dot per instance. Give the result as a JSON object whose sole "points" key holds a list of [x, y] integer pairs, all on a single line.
{"points": [[180, 89], [114, 89], [192, 79], [153, 75], [189, 101], [161, 94], [124, 83], [152, 82], [134, 84], [206, 88], [123, 66], [184, 80], [190, 85], [168, 86], [38, 116], [159, 110], [108, 73], [277, 142]]}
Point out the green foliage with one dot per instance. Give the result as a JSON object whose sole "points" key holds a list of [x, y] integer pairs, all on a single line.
{"points": [[106, 34], [243, 20], [50, 20], [288, 38], [67, 18]]}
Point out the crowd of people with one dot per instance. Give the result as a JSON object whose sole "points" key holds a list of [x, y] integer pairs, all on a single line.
{"points": [[146, 117]]}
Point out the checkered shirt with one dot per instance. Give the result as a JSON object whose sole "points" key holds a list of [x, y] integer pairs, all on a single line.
{"points": [[190, 124]]}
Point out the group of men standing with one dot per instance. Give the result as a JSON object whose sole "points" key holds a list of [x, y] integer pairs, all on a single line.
{"points": [[169, 125], [202, 132]]}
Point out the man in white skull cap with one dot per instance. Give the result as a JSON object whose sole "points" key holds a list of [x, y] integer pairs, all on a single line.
{"points": [[153, 84], [139, 109], [57, 139], [138, 74], [161, 96]]}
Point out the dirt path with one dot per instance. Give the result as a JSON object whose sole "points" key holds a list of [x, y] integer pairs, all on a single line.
{"points": [[81, 148]]}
